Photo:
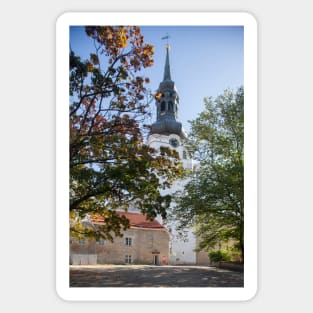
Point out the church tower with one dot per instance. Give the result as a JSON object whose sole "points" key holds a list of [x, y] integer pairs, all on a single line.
{"points": [[167, 131], [167, 105]]}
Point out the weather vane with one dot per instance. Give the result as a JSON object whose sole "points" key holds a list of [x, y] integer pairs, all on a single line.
{"points": [[166, 37]]}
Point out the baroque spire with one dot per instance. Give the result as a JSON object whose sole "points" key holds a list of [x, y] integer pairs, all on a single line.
{"points": [[167, 69], [167, 104]]}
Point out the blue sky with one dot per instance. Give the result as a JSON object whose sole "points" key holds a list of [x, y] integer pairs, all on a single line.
{"points": [[205, 60]]}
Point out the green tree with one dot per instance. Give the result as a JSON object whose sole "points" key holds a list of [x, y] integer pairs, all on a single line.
{"points": [[213, 199], [110, 166]]}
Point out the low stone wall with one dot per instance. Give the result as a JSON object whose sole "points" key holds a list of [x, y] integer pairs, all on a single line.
{"points": [[83, 259], [238, 267]]}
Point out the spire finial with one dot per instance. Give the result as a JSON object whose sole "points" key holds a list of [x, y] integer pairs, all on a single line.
{"points": [[166, 37], [167, 71]]}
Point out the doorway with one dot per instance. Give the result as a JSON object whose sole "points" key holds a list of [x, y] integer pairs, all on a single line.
{"points": [[156, 260]]}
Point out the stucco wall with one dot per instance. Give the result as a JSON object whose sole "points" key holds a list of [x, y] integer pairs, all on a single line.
{"points": [[145, 244], [182, 251]]}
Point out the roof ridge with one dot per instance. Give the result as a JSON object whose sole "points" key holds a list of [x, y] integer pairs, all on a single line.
{"points": [[139, 220]]}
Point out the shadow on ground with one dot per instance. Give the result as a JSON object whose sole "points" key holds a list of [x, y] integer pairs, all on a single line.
{"points": [[153, 276]]}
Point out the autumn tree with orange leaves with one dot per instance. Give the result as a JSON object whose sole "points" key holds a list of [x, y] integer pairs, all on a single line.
{"points": [[111, 168]]}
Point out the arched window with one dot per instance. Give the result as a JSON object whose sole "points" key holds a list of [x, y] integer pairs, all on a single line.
{"points": [[162, 106], [170, 106], [184, 155]]}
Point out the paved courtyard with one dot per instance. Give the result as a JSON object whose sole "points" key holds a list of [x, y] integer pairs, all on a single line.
{"points": [[153, 276]]}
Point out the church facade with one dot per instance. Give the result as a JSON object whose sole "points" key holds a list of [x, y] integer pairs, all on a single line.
{"points": [[168, 131]]}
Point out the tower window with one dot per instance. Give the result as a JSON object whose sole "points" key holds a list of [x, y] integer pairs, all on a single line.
{"points": [[184, 155], [170, 106], [162, 106]]}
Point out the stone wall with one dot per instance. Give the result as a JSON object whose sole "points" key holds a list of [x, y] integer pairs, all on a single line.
{"points": [[238, 267], [147, 247], [202, 258], [83, 259], [82, 251]]}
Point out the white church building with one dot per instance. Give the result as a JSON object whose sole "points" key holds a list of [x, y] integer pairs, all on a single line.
{"points": [[167, 131]]}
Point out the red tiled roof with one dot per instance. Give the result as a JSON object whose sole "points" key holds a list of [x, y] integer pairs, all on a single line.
{"points": [[135, 220]]}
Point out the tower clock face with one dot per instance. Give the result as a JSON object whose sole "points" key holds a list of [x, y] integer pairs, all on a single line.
{"points": [[174, 142]]}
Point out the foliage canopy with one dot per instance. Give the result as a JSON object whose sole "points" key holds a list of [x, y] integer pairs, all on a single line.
{"points": [[110, 166], [213, 199]]}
